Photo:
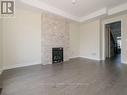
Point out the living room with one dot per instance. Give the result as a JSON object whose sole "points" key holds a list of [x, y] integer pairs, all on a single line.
{"points": [[59, 47]]}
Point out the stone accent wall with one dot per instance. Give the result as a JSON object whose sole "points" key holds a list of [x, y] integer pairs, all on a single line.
{"points": [[55, 33]]}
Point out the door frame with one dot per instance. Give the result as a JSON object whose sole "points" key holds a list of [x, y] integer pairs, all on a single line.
{"points": [[107, 41], [103, 38]]}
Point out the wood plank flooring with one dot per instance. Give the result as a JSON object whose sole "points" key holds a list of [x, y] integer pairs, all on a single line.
{"points": [[1, 81], [75, 77]]}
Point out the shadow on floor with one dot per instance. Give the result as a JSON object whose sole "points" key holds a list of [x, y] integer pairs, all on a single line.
{"points": [[114, 60]]}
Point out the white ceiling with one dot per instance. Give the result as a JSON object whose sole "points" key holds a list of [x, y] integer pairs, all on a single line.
{"points": [[82, 10], [83, 7]]}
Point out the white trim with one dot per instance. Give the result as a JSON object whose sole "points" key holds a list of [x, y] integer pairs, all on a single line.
{"points": [[124, 62], [107, 21], [98, 13], [91, 58], [118, 9], [66, 59], [74, 57], [20, 65], [102, 12], [1, 71], [49, 8]]}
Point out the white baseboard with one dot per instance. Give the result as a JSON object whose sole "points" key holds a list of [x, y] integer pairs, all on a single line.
{"points": [[12, 66], [97, 59], [20, 65], [124, 62], [74, 57], [1, 71], [66, 59]]}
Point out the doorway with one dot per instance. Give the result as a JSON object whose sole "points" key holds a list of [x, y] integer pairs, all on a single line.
{"points": [[113, 41]]}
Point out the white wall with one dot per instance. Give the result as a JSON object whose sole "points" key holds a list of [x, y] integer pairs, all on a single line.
{"points": [[22, 39], [74, 39], [1, 45], [90, 40], [124, 39]]}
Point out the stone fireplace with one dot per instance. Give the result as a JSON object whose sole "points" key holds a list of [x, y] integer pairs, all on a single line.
{"points": [[55, 33]]}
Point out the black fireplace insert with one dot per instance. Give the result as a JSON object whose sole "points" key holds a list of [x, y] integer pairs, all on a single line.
{"points": [[57, 55]]}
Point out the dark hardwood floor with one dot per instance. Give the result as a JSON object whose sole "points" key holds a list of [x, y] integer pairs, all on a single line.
{"points": [[1, 81], [75, 77], [0, 90]]}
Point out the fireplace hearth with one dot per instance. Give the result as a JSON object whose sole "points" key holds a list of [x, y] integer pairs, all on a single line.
{"points": [[57, 55]]}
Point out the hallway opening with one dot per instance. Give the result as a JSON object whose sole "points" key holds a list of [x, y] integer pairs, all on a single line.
{"points": [[113, 41]]}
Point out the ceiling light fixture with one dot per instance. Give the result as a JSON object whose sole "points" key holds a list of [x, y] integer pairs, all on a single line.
{"points": [[74, 1]]}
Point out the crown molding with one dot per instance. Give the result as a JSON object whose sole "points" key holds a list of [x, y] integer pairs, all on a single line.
{"points": [[102, 12], [98, 13], [117, 9], [49, 8]]}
